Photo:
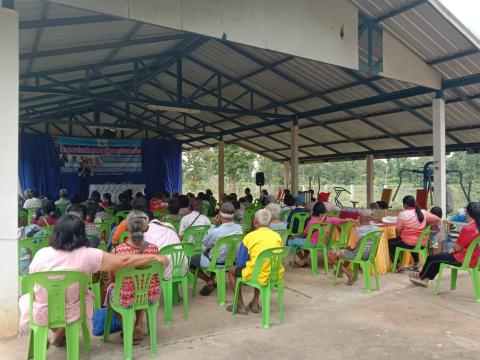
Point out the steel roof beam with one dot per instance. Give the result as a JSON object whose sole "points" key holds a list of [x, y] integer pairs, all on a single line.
{"points": [[68, 21], [453, 56], [399, 11]]}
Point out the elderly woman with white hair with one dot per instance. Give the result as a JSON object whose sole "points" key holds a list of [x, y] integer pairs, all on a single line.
{"points": [[63, 199], [262, 238], [275, 211]]}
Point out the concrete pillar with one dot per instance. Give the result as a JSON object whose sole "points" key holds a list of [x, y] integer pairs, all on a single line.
{"points": [[294, 158], [286, 175], [8, 175], [221, 169], [439, 169], [370, 182]]}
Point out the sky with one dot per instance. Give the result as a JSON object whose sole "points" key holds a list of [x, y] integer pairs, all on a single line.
{"points": [[467, 11]]}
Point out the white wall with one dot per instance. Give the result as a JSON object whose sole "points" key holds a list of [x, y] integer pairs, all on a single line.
{"points": [[8, 172]]}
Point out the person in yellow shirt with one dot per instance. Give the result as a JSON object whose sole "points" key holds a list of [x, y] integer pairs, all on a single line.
{"points": [[262, 238]]}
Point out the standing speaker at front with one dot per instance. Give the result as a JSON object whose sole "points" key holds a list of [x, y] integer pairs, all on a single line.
{"points": [[260, 178]]}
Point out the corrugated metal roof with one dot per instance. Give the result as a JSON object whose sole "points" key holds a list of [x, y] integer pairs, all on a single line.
{"points": [[270, 81]]}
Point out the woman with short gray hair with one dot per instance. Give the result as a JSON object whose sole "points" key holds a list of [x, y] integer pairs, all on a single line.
{"points": [[275, 211]]}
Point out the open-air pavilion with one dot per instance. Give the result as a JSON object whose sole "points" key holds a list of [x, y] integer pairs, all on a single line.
{"points": [[296, 82]]}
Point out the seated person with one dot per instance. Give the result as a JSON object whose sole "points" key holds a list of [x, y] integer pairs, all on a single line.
{"points": [[349, 253], [107, 200], [275, 211], [239, 211], [262, 238], [96, 198], [202, 261], [32, 202], [63, 199], [137, 224], [139, 204], [47, 214], [123, 203], [299, 207], [75, 200], [173, 211], [91, 230], [456, 256], [319, 215], [438, 233], [248, 195], [410, 224], [158, 203], [183, 201], [195, 218]]}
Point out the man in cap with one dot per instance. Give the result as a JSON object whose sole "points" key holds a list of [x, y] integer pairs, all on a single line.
{"points": [[226, 226]]}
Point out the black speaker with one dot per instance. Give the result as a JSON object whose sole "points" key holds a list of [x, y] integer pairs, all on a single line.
{"points": [[260, 178]]}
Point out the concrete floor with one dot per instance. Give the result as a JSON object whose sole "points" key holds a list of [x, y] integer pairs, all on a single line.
{"points": [[321, 321]]}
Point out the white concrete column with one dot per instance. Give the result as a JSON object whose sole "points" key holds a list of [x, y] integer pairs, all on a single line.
{"points": [[286, 175], [370, 182], [221, 169], [294, 158], [439, 167], [8, 175]]}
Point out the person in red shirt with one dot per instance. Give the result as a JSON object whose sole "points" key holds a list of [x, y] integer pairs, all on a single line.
{"points": [[457, 255]]}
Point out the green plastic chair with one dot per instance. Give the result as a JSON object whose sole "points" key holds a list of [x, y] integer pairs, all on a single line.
{"points": [[302, 218], [284, 215], [177, 254], [343, 238], [195, 235], [32, 246], [334, 213], [30, 213], [175, 223], [141, 280], [95, 287], [110, 209], [323, 244], [123, 237], [417, 249], [374, 236], [474, 272], [160, 213], [62, 208], [56, 283], [121, 215], [284, 234], [205, 208], [23, 214], [104, 230], [248, 217], [48, 230], [231, 243], [274, 257]]}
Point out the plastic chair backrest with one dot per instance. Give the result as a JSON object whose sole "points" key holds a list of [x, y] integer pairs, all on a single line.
{"points": [[231, 242], [284, 234], [301, 218], [55, 284], [323, 228], [160, 213], [121, 215], [175, 223], [30, 213], [48, 230], [177, 256], [205, 208], [103, 231], [62, 208], [110, 209], [334, 213], [141, 278], [469, 254], [24, 215], [274, 258], [374, 236], [123, 237], [33, 244], [424, 236], [248, 217], [344, 234], [195, 235], [284, 215]]}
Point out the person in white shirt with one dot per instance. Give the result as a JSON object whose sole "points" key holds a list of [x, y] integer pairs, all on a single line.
{"points": [[195, 218], [34, 202], [63, 197]]}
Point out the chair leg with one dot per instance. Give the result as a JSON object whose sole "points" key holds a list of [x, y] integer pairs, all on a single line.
{"points": [[265, 295], [152, 328], [86, 336], [221, 287], [108, 324], [185, 297], [325, 260], [377, 278], [40, 343], [453, 279], [366, 277], [96, 294], [73, 340], [439, 279], [167, 301], [31, 346], [194, 284], [235, 299], [355, 270], [281, 285], [337, 270], [314, 262], [475, 284], [397, 257], [127, 326]]}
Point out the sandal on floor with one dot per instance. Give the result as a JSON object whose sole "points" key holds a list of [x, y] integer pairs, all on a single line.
{"points": [[418, 282], [413, 268], [353, 281], [255, 310], [229, 308], [137, 335], [208, 289]]}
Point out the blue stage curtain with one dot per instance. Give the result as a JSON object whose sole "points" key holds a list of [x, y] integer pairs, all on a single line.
{"points": [[162, 165], [38, 165]]}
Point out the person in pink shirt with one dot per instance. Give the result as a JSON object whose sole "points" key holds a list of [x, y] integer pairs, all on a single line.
{"points": [[68, 250], [319, 215], [410, 224], [457, 254]]}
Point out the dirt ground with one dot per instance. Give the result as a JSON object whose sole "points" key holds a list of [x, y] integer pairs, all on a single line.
{"points": [[321, 321]]}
